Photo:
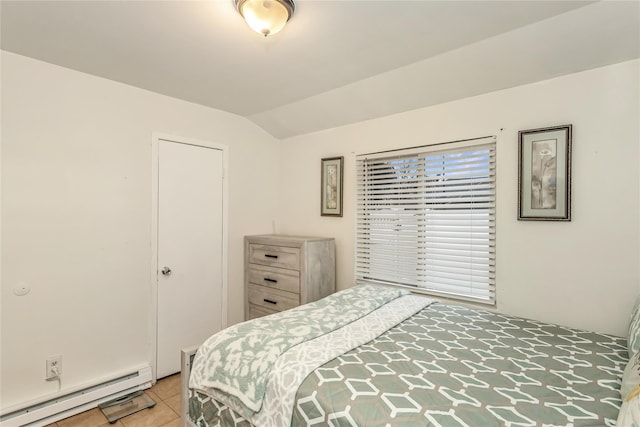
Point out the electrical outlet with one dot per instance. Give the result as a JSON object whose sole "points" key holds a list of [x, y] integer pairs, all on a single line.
{"points": [[54, 368]]}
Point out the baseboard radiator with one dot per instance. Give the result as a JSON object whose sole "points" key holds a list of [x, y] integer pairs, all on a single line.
{"points": [[55, 409]]}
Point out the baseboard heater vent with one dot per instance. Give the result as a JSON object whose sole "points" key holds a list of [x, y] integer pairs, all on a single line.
{"points": [[55, 409]]}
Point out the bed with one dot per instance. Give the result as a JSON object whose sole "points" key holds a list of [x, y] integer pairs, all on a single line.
{"points": [[376, 356]]}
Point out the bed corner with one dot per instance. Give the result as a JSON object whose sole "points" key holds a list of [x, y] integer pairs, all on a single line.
{"points": [[186, 361]]}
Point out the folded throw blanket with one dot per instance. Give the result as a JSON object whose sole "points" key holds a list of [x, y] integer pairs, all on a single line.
{"points": [[237, 360]]}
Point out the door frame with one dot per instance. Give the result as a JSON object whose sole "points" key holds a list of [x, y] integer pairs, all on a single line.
{"points": [[156, 137]]}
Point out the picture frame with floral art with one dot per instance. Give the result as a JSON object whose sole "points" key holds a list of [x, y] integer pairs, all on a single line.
{"points": [[544, 174], [331, 186]]}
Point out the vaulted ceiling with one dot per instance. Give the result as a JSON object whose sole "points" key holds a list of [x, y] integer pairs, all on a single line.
{"points": [[336, 62]]}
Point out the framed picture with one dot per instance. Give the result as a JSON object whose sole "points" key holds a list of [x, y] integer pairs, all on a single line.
{"points": [[544, 174], [331, 187]]}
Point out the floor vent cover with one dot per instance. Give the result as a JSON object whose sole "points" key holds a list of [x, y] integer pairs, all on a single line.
{"points": [[126, 405]]}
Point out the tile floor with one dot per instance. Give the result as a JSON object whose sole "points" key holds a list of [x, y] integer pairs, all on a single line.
{"points": [[166, 413]]}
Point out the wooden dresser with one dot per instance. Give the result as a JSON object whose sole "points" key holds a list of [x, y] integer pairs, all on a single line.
{"points": [[282, 272]]}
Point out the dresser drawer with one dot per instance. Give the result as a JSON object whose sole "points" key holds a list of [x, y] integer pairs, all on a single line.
{"points": [[256, 311], [285, 280], [272, 298], [276, 256]]}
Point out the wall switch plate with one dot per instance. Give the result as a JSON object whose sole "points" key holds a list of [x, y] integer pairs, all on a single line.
{"points": [[54, 367]]}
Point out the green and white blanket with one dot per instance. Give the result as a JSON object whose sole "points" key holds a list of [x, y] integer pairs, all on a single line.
{"points": [[444, 366], [454, 366], [234, 365]]}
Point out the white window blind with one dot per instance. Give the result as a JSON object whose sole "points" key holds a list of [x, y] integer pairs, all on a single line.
{"points": [[426, 219]]}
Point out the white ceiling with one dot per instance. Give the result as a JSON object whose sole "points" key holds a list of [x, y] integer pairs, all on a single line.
{"points": [[336, 62]]}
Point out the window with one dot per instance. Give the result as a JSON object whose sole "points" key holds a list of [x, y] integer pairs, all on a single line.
{"points": [[426, 219]]}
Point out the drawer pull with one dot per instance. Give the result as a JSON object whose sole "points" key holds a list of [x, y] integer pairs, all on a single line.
{"points": [[271, 256], [270, 301], [266, 279]]}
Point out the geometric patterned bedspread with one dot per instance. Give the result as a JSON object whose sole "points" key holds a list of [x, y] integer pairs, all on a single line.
{"points": [[455, 366]]}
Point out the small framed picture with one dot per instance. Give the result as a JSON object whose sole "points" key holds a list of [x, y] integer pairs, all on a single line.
{"points": [[331, 186], [544, 174]]}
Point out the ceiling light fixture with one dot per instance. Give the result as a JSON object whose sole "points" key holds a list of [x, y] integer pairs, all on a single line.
{"points": [[266, 17]]}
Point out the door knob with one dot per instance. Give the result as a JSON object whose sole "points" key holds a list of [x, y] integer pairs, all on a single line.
{"points": [[166, 271]]}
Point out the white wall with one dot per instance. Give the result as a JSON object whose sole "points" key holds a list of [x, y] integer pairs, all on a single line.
{"points": [[583, 273], [76, 218], [76, 196]]}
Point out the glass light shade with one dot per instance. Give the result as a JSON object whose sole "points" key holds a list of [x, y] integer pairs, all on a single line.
{"points": [[266, 17]]}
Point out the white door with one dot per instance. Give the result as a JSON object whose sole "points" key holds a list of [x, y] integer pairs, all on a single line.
{"points": [[189, 248]]}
